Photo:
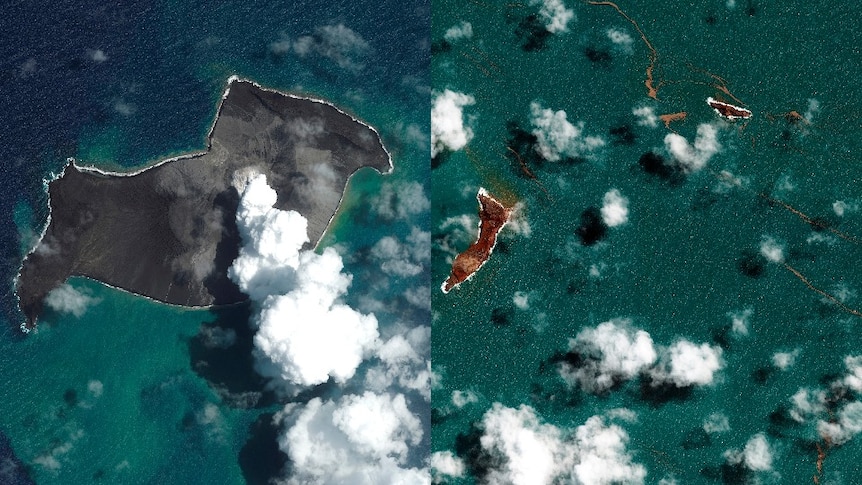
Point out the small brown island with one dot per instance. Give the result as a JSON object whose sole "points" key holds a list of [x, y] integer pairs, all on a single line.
{"points": [[727, 110], [168, 232], [493, 216]]}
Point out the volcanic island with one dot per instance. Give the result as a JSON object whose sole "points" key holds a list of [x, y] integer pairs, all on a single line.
{"points": [[493, 216], [168, 232]]}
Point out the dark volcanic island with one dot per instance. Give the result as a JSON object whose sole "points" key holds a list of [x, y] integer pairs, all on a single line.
{"points": [[169, 232]]}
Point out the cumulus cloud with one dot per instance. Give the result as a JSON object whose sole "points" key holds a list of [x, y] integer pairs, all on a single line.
{"points": [[645, 116], [610, 353], [400, 201], [444, 464], [97, 55], [403, 259], [463, 398], [448, 131], [338, 43], [771, 249], [686, 364], [692, 158], [304, 335], [615, 208], [526, 451], [463, 30], [554, 14], [557, 138], [403, 363], [842, 207], [807, 403], [358, 439], [739, 321], [847, 425], [620, 38], [68, 300], [785, 360], [756, 456], [716, 423]]}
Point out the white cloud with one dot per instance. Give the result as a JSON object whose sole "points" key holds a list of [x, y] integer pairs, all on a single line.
{"points": [[304, 336], [518, 222], [66, 299], [845, 427], [756, 456], [611, 352], [394, 258], [96, 388], [445, 464], [716, 423], [771, 249], [554, 14], [853, 378], [842, 207], [526, 451], [216, 337], [521, 299], [615, 208], [687, 364], [785, 360], [646, 116], [813, 109], [337, 43], [739, 321], [403, 363], [447, 122], [807, 403], [400, 201], [462, 30], [97, 55], [693, 158], [359, 439], [556, 137], [463, 398], [620, 38]]}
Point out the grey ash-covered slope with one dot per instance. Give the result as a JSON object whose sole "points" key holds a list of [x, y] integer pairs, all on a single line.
{"points": [[169, 232]]}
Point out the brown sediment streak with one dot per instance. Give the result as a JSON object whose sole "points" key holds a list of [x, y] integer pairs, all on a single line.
{"points": [[722, 84], [806, 218], [822, 293], [669, 118], [652, 89], [493, 216]]}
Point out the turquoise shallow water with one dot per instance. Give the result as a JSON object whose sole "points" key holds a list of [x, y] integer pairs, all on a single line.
{"points": [[675, 267], [128, 392]]}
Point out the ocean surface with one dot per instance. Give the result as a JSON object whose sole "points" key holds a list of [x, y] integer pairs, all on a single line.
{"points": [[132, 391], [751, 248]]}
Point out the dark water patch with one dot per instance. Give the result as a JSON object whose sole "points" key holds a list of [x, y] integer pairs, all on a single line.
{"points": [[13, 471], [695, 439], [710, 19], [438, 416], [260, 459], [576, 286], [704, 199], [501, 316], [532, 34], [751, 264], [659, 393], [721, 335], [70, 397], [98, 475], [751, 10], [762, 374], [521, 150], [468, 447], [441, 47], [229, 369], [598, 56], [439, 159], [592, 228], [657, 166], [623, 135]]}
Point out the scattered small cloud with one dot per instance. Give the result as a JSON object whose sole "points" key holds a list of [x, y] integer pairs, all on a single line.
{"points": [[620, 38], [692, 158], [463, 398], [557, 138], [739, 321], [444, 465], [337, 43], [716, 423], [772, 250], [97, 55], [400, 201], [554, 14], [686, 364], [615, 208], [785, 360], [448, 131], [463, 30], [756, 456], [645, 116], [68, 300]]}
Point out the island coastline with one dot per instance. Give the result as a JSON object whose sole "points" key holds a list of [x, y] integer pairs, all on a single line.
{"points": [[370, 146]]}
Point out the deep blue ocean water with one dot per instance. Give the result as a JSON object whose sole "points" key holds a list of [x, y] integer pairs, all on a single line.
{"points": [[126, 393]]}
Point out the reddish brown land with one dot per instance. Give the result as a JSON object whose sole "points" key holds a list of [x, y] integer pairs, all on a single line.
{"points": [[728, 111], [493, 215]]}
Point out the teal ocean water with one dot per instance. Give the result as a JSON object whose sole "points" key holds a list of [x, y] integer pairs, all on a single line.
{"points": [[693, 251], [126, 390]]}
